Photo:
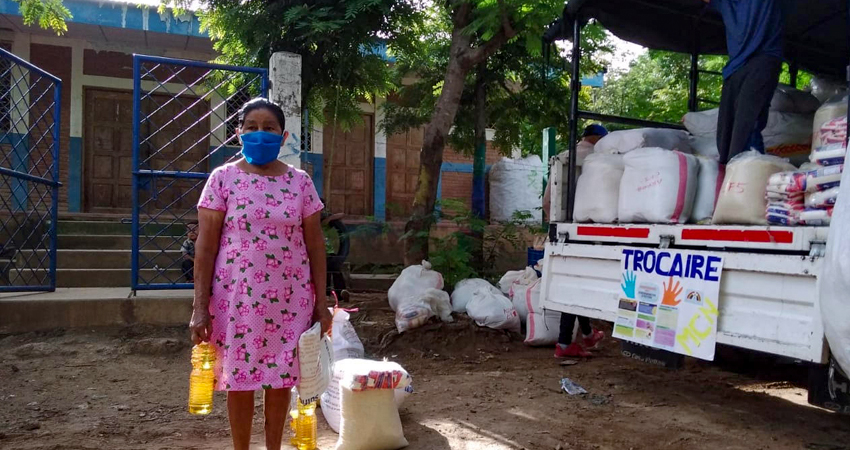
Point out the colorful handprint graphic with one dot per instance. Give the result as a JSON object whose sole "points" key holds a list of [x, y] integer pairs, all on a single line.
{"points": [[671, 293], [628, 285]]}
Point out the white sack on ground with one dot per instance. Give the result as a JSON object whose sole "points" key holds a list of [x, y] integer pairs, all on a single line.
{"points": [[464, 289], [598, 189], [658, 186], [368, 413], [493, 311], [412, 282], [542, 326], [624, 141], [835, 281], [742, 195], [414, 313], [516, 185], [706, 190]]}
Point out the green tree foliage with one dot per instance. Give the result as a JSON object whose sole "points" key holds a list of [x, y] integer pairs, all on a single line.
{"points": [[337, 40], [521, 99], [49, 14]]}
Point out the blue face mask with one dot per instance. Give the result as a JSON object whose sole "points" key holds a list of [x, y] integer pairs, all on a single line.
{"points": [[261, 147]]}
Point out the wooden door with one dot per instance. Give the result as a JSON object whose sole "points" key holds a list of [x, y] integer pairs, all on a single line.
{"points": [[108, 151], [348, 168], [402, 172]]}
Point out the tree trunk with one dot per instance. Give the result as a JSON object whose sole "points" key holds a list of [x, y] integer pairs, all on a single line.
{"points": [[462, 57]]}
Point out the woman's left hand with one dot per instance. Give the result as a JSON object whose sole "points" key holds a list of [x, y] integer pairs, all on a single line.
{"points": [[324, 317]]}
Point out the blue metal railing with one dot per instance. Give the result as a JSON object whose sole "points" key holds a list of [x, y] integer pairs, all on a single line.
{"points": [[184, 120], [30, 111]]}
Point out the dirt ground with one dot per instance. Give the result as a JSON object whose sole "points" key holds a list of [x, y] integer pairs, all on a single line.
{"points": [[474, 389]]}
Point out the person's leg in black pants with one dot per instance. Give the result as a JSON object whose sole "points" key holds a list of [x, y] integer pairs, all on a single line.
{"points": [[566, 347], [188, 270], [744, 104]]}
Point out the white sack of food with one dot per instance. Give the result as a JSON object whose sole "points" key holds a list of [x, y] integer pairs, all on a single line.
{"points": [[316, 360], [412, 282], [706, 190], [464, 289], [331, 403], [835, 281], [787, 129], [598, 189], [782, 128], [742, 195], [541, 326], [702, 123], [368, 415], [624, 141], [705, 146], [508, 280], [788, 99], [516, 186], [493, 311], [658, 186]]}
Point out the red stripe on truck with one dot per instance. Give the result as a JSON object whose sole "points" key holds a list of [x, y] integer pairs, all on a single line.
{"points": [[635, 233], [701, 234]]}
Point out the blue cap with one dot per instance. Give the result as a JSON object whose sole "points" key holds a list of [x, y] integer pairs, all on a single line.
{"points": [[594, 130]]}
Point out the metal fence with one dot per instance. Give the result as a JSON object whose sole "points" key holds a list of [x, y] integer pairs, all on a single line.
{"points": [[184, 125], [30, 101]]}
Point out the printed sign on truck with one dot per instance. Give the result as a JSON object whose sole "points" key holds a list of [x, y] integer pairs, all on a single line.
{"points": [[670, 300]]}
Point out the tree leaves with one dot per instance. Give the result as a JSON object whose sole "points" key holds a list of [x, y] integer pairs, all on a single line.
{"points": [[50, 14]]}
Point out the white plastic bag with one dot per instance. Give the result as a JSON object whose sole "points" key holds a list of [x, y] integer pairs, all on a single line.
{"points": [[702, 123], [742, 195], [835, 281], [493, 311], [412, 282], [823, 89], [414, 313], [517, 292], [346, 343], [624, 141], [598, 189], [706, 190], [787, 128], [658, 186], [822, 199], [316, 359], [464, 289], [833, 108], [516, 186]]}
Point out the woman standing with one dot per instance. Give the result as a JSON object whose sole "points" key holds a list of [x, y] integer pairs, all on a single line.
{"points": [[259, 273]]}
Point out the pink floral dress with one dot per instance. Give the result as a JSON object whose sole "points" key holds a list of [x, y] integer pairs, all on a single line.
{"points": [[262, 292]]}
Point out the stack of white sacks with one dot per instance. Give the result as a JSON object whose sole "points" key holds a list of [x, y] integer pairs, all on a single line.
{"points": [[647, 175]]}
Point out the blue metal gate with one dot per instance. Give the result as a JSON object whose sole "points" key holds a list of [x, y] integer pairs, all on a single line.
{"points": [[184, 123], [30, 101]]}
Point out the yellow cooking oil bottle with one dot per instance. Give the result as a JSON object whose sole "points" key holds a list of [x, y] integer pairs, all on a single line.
{"points": [[202, 379], [306, 427]]}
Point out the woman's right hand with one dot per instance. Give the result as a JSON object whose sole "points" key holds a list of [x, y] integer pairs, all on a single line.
{"points": [[200, 325]]}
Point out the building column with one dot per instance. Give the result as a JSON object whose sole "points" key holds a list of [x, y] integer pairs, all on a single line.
{"points": [[380, 167], [285, 78], [75, 144]]}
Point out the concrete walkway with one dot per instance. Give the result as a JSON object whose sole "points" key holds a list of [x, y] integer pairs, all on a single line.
{"points": [[92, 307]]}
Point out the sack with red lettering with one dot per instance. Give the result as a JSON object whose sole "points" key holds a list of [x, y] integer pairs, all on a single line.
{"points": [[742, 196], [658, 186]]}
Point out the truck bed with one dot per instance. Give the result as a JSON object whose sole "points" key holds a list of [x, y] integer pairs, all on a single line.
{"points": [[768, 290]]}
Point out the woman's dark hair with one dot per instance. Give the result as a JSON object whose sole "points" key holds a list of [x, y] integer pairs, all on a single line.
{"points": [[262, 103]]}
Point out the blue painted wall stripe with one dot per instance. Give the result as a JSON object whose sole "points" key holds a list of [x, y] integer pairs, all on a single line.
{"points": [[380, 191], [121, 15], [75, 177]]}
